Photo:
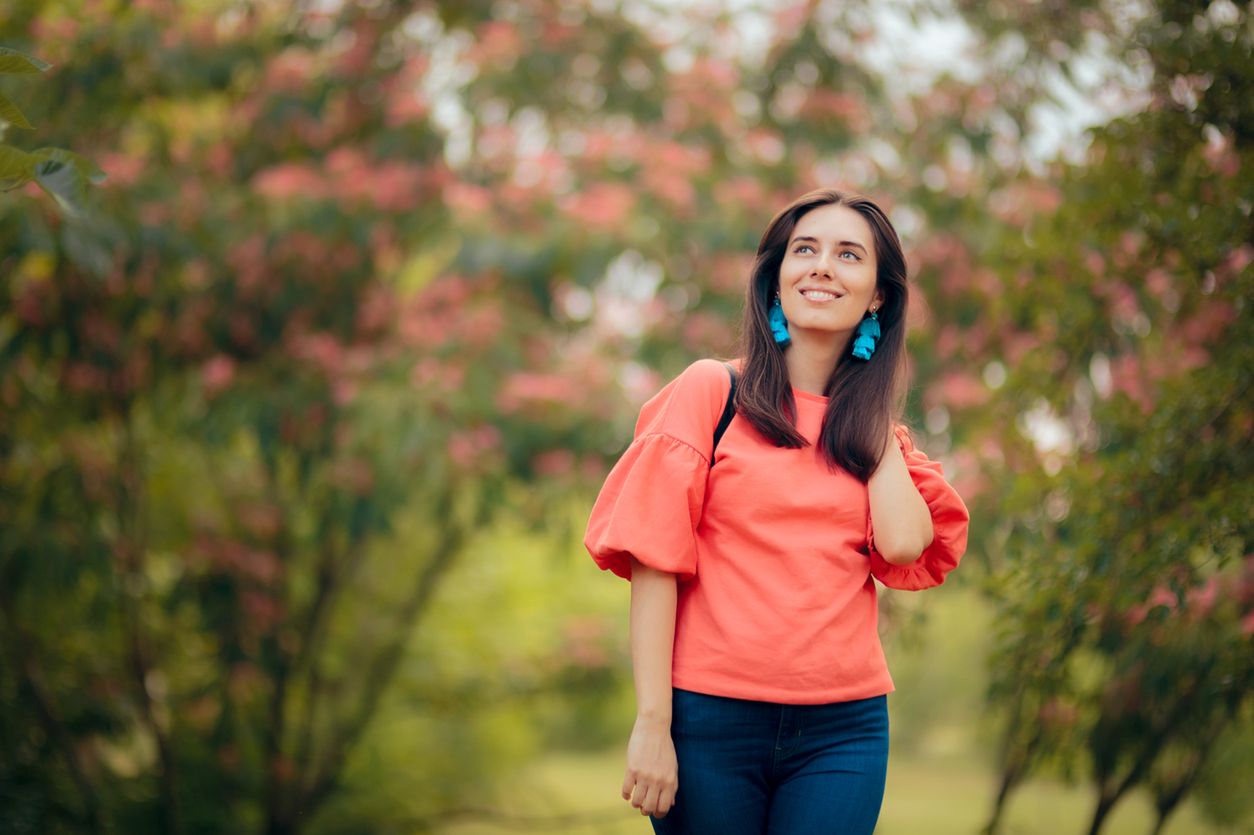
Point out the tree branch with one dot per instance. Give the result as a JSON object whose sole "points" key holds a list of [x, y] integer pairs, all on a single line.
{"points": [[382, 670], [16, 643], [131, 544]]}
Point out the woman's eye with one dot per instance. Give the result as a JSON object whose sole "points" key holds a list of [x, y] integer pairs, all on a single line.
{"points": [[804, 247], [850, 252]]}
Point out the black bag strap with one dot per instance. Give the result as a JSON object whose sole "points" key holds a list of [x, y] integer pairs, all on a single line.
{"points": [[729, 409]]}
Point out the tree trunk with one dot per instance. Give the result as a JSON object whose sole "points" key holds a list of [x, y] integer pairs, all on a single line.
{"points": [[323, 777], [31, 678], [130, 547], [1009, 780], [1161, 822], [1105, 803]]}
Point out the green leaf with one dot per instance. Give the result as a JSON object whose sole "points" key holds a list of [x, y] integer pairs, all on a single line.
{"points": [[85, 167], [9, 113], [16, 167], [19, 63], [66, 176]]}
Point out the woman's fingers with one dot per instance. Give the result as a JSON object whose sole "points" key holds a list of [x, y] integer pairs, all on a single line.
{"points": [[648, 804], [666, 799], [651, 797], [638, 795]]}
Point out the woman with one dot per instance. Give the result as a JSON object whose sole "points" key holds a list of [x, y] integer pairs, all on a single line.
{"points": [[760, 680]]}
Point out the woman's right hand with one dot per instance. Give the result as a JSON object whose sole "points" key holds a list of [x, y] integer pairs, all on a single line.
{"points": [[652, 777]]}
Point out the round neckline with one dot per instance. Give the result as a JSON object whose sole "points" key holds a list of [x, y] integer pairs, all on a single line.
{"points": [[806, 395]]}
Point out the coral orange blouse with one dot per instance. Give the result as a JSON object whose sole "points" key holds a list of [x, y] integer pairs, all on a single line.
{"points": [[773, 550]]}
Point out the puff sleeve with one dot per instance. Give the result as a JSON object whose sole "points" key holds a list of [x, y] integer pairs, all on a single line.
{"points": [[651, 502], [950, 520]]}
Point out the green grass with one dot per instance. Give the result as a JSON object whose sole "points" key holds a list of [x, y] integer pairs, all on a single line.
{"points": [[940, 781], [934, 796]]}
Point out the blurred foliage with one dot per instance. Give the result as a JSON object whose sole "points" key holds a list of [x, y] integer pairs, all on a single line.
{"points": [[1126, 579], [61, 173], [297, 410]]}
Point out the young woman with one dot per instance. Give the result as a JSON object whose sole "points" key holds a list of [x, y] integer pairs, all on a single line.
{"points": [[760, 680]]}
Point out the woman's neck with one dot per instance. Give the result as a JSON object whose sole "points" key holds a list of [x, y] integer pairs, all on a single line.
{"points": [[811, 360]]}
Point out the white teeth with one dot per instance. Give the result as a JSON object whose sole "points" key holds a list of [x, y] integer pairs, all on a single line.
{"points": [[819, 295]]}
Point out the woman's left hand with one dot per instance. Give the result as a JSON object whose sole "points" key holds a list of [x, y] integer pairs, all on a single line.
{"points": [[899, 516], [652, 777]]}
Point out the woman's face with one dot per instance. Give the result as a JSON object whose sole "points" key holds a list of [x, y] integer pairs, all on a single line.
{"points": [[827, 278]]}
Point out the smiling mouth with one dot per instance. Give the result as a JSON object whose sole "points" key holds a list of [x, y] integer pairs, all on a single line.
{"points": [[820, 295]]}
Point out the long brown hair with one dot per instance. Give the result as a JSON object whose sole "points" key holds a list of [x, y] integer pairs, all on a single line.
{"points": [[864, 396]]}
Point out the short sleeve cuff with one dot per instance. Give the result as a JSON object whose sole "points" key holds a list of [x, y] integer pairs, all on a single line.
{"points": [[649, 508], [950, 522]]}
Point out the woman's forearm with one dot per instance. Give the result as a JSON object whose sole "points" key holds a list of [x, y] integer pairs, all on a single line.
{"points": [[899, 516], [653, 596]]}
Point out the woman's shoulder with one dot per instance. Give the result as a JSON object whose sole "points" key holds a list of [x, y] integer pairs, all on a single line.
{"points": [[705, 384], [708, 373], [688, 403]]}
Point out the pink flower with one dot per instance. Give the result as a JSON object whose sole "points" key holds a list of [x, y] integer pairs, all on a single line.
{"points": [[376, 310], [85, 379], [482, 325], [705, 333], [1163, 596], [405, 106], [1237, 260], [602, 206], [850, 110], [320, 349], [1124, 304], [289, 180], [359, 50], [674, 191], [469, 448], [739, 191], [353, 475], [957, 390], [1202, 598], [217, 374], [123, 170], [259, 518], [344, 391], [289, 71], [261, 610], [395, 186], [466, 199], [790, 17], [600, 145], [497, 44], [430, 373], [948, 340], [47, 29], [524, 388], [1220, 154], [556, 463], [1208, 323], [1128, 377]]}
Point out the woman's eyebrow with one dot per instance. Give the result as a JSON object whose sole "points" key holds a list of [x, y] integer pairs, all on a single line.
{"points": [[813, 239]]}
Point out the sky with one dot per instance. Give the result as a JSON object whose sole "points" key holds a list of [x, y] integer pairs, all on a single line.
{"points": [[912, 49]]}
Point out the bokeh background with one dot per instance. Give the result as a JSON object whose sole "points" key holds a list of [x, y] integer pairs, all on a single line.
{"points": [[302, 408]]}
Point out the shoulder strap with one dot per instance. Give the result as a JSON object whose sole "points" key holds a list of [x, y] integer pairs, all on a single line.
{"points": [[729, 409]]}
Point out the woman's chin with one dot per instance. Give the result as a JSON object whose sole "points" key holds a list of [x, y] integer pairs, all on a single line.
{"points": [[819, 331]]}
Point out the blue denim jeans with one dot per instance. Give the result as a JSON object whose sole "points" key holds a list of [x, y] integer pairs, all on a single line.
{"points": [[759, 768]]}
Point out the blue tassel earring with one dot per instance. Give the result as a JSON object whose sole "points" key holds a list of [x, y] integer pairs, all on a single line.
{"points": [[779, 325], [865, 337]]}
